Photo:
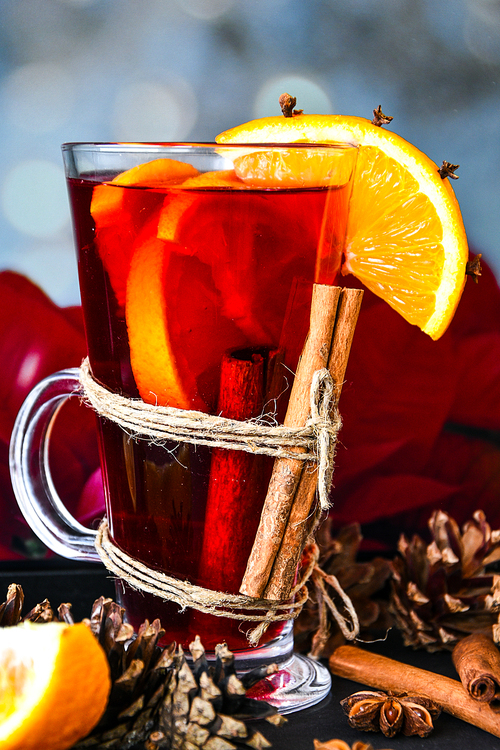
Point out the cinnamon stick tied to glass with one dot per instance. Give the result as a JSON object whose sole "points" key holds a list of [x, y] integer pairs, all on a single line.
{"points": [[289, 508]]}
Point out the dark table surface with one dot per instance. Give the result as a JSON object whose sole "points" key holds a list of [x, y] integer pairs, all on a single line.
{"points": [[64, 581]]}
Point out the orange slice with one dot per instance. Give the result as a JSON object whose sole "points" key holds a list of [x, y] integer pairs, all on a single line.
{"points": [[163, 371], [225, 178], [176, 205], [405, 239], [54, 685], [108, 205], [296, 168], [206, 267], [171, 295], [119, 212]]}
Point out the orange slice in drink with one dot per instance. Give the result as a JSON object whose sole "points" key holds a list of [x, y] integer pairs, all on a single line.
{"points": [[160, 342], [175, 207], [203, 268], [405, 238], [296, 167], [171, 296], [119, 212], [107, 205], [54, 685]]}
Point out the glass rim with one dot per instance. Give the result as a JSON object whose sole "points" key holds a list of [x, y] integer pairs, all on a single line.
{"points": [[186, 146]]}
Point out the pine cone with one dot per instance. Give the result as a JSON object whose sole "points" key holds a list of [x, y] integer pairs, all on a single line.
{"points": [[159, 701], [316, 630], [11, 609], [447, 589], [156, 699]]}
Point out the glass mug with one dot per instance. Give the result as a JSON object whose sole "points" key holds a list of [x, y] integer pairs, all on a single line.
{"points": [[196, 265]]}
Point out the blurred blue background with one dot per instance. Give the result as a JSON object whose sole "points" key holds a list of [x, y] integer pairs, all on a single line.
{"points": [[83, 70]]}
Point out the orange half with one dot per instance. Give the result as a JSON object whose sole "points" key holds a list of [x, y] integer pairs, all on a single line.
{"points": [[54, 685]]}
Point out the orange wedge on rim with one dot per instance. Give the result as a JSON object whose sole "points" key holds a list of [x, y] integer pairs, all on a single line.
{"points": [[296, 167], [405, 239]]}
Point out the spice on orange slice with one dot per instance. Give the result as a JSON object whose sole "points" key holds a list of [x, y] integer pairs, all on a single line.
{"points": [[54, 685], [405, 238]]}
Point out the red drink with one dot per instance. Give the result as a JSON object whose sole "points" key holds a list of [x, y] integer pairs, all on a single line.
{"points": [[227, 265]]}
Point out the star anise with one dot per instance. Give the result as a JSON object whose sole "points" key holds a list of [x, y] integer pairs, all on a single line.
{"points": [[375, 711]]}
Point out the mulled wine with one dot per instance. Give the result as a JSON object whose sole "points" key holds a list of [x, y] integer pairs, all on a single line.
{"points": [[205, 285]]}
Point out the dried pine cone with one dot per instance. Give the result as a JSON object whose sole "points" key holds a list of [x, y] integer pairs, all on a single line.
{"points": [[11, 609], [447, 589], [316, 630], [156, 699]]}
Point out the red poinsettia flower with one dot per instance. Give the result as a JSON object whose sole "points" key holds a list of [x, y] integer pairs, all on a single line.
{"points": [[38, 338], [421, 418]]}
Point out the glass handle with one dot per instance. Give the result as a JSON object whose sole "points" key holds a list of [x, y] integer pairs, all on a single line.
{"points": [[32, 481]]}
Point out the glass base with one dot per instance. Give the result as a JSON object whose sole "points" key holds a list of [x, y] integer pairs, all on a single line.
{"points": [[301, 682]]}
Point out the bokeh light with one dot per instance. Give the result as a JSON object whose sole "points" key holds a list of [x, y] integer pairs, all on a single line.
{"points": [[34, 198], [148, 111], [206, 10], [38, 97], [80, 70]]}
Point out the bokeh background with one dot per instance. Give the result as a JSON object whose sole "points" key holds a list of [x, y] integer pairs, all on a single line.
{"points": [[78, 70]]}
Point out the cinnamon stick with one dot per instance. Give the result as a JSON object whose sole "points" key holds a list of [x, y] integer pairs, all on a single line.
{"points": [[477, 661], [389, 675], [287, 472], [298, 528], [234, 492]]}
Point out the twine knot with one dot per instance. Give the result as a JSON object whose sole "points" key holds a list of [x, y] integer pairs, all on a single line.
{"points": [[326, 427]]}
